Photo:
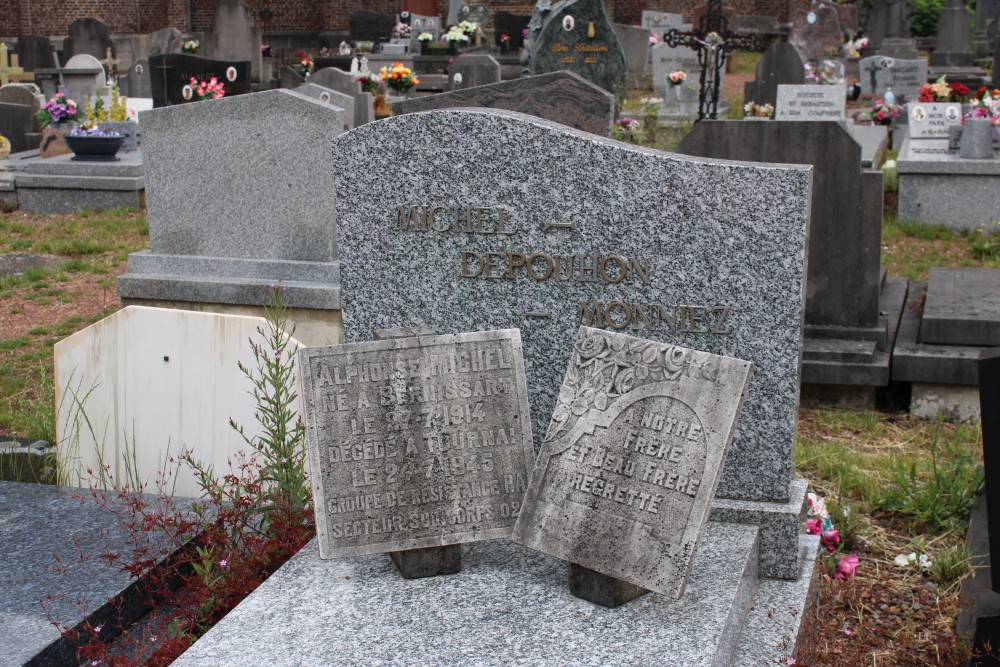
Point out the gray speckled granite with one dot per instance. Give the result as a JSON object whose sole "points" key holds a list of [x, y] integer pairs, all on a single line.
{"points": [[61, 199], [508, 606], [37, 522], [714, 233], [779, 525], [237, 178], [782, 614]]}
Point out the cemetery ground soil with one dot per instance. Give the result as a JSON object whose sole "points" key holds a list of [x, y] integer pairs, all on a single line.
{"points": [[886, 615]]}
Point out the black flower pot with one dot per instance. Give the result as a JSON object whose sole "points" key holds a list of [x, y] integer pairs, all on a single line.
{"points": [[425, 48], [94, 148]]}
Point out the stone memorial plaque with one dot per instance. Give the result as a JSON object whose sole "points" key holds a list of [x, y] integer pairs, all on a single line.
{"points": [[416, 442], [810, 102], [578, 231], [170, 73], [632, 457], [879, 73], [933, 120]]}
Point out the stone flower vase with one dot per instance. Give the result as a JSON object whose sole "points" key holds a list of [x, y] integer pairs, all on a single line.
{"points": [[425, 48]]}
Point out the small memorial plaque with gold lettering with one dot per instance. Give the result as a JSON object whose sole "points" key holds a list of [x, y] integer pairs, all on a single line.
{"points": [[416, 442], [632, 458]]}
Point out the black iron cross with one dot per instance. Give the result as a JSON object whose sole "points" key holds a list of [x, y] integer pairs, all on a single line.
{"points": [[713, 40]]}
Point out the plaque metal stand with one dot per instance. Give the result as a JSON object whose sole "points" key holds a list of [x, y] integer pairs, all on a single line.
{"points": [[429, 561], [600, 588]]}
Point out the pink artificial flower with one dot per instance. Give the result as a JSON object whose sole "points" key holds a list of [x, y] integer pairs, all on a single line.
{"points": [[847, 567], [814, 526], [831, 539]]}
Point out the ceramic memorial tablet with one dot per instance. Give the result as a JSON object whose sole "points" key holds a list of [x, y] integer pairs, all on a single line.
{"points": [[632, 457], [416, 442]]}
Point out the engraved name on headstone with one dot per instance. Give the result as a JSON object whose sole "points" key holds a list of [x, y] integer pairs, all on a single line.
{"points": [[632, 457], [879, 73], [810, 102], [416, 442]]}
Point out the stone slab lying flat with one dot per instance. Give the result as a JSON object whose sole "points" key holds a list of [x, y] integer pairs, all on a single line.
{"points": [[37, 522], [915, 361], [508, 606], [962, 307]]}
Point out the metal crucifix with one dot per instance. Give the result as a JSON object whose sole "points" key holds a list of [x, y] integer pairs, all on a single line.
{"points": [[713, 40]]}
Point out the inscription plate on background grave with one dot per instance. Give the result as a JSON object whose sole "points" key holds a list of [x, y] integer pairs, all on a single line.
{"points": [[932, 120], [878, 73], [416, 442], [629, 465], [810, 102], [580, 229]]}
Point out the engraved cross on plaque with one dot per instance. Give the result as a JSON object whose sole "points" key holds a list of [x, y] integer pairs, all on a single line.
{"points": [[713, 40], [10, 69]]}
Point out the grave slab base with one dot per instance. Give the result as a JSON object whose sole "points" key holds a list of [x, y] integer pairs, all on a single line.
{"points": [[601, 589]]}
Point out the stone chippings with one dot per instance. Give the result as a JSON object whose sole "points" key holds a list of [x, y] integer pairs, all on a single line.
{"points": [[713, 231]]}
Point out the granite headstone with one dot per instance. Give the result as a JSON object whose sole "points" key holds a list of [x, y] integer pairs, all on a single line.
{"points": [[562, 97], [24, 93], [624, 481], [599, 245], [83, 77], [635, 43], [879, 73], [469, 71], [953, 47], [331, 97], [370, 26], [344, 82], [16, 122], [780, 64], [416, 442], [577, 35], [170, 72], [225, 223], [816, 33], [87, 36], [234, 37], [932, 120], [810, 102], [35, 52]]}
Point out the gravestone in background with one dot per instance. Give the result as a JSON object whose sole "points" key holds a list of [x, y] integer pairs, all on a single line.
{"points": [[929, 125], [887, 23], [344, 82], [164, 40], [623, 484], [811, 102], [953, 47], [817, 33], [35, 52], [844, 296], [16, 122], [562, 97], [635, 43], [24, 93], [460, 10], [680, 101], [394, 419], [471, 70], [169, 73], [962, 307], [660, 22], [234, 37], [87, 36], [505, 23], [218, 242], [290, 77], [986, 12], [370, 26], [879, 73], [578, 37], [780, 64], [139, 80], [331, 97], [83, 77]]}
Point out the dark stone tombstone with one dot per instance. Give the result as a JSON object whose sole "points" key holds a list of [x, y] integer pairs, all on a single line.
{"points": [[27, 94], [140, 83], [234, 37], [817, 33], [512, 25], [989, 409], [16, 122], [562, 97], [469, 71], [88, 36], [954, 38], [994, 36], [780, 64], [986, 12], [164, 40], [171, 72], [35, 52], [703, 9], [887, 23], [370, 26], [848, 15], [843, 282], [576, 35]]}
